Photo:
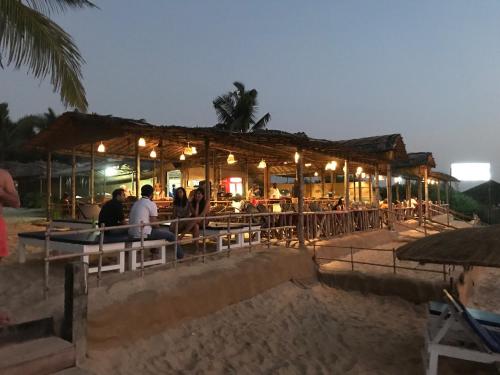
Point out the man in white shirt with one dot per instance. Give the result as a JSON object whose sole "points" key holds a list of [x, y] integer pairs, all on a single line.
{"points": [[274, 193], [146, 211]]}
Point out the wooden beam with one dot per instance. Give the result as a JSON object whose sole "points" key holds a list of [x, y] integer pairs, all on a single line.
{"points": [[73, 187], [300, 179], [137, 169], [346, 184], [207, 168]]}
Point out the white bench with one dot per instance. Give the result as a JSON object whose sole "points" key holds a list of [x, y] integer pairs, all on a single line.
{"points": [[236, 233]]}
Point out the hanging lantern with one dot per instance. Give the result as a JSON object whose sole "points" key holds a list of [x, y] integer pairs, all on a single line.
{"points": [[193, 150], [315, 174], [331, 166], [307, 165], [231, 159], [141, 142], [152, 154], [101, 148], [262, 164], [359, 170], [296, 157], [182, 157], [363, 175], [188, 150]]}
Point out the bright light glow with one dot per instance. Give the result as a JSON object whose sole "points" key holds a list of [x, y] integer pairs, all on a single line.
{"points": [[101, 148], [152, 154], [235, 179], [262, 164], [381, 178], [296, 157], [182, 157], [193, 150], [190, 150], [471, 171], [231, 159], [398, 180], [307, 165], [331, 166], [111, 171], [315, 174], [363, 175], [141, 142], [359, 170]]}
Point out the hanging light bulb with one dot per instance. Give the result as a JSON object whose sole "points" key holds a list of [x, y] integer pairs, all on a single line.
{"points": [[359, 170], [296, 157], [315, 174], [193, 150], [262, 164], [141, 142], [363, 175], [152, 154], [231, 159], [182, 157], [101, 148], [307, 165], [188, 150], [331, 166]]}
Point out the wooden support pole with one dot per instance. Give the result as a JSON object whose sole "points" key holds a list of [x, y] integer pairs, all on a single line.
{"points": [[420, 202], [137, 169], [49, 185], [346, 184], [447, 192], [426, 192], [377, 187], [370, 193], [74, 327], [207, 168], [162, 170], [332, 181], [300, 178], [438, 187], [322, 184], [73, 185], [266, 181], [389, 195], [92, 174], [397, 191], [60, 188], [408, 190], [215, 188], [360, 197]]}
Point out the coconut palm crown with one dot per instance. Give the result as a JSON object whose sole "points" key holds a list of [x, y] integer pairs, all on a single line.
{"points": [[236, 110]]}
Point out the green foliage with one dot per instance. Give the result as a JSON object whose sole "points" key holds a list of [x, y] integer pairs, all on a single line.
{"points": [[236, 110], [28, 37]]}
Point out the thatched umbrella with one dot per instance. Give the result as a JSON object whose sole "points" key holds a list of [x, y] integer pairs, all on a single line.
{"points": [[469, 247]]}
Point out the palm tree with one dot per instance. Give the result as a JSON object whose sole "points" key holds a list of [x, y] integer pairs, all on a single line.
{"points": [[29, 37], [236, 110]]}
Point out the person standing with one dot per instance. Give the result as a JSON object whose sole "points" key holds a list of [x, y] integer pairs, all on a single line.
{"points": [[274, 193], [146, 211], [8, 198]]}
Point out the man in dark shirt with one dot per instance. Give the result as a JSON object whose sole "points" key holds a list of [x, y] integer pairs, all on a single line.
{"points": [[111, 213]]}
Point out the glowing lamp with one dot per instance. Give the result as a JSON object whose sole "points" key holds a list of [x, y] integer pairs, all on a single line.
{"points": [[307, 165], [230, 159], [101, 148], [141, 142], [262, 164], [152, 154], [193, 150], [315, 174], [359, 170], [182, 157], [331, 166], [296, 157]]}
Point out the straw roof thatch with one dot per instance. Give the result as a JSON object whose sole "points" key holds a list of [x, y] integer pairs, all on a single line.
{"points": [[469, 247], [443, 176], [382, 144], [79, 131]]}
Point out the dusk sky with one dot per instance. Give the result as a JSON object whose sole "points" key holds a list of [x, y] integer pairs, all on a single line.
{"points": [[429, 70]]}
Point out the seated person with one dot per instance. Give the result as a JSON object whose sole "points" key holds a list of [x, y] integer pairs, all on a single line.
{"points": [[159, 193], [274, 192], [146, 211], [339, 206], [111, 214], [199, 208], [182, 209], [384, 205]]}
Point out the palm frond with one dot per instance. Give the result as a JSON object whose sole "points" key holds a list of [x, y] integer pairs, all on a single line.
{"points": [[240, 87], [224, 108], [262, 123], [30, 38], [58, 6]]}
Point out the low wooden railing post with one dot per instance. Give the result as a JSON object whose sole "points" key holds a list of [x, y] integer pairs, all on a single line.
{"points": [[101, 252], [142, 248]]}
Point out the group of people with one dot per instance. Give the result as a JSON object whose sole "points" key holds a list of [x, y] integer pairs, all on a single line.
{"points": [[144, 211]]}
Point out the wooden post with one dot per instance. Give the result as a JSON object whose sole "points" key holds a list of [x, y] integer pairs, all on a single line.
{"points": [[162, 169], [332, 181], [215, 188], [300, 178], [73, 184], [420, 202], [397, 191], [370, 193], [137, 169], [389, 195], [92, 174], [346, 184], [438, 187], [408, 190], [377, 187], [447, 192], [267, 181], [426, 192], [60, 188], [322, 184], [74, 328], [49, 185], [207, 171], [360, 197]]}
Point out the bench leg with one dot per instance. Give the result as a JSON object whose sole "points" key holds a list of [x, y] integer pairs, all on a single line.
{"points": [[122, 261], [21, 252], [163, 254], [433, 363], [219, 243], [132, 260]]}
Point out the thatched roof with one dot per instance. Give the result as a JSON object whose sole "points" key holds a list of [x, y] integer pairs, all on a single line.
{"points": [[79, 131], [416, 159], [470, 247], [443, 176], [382, 144]]}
